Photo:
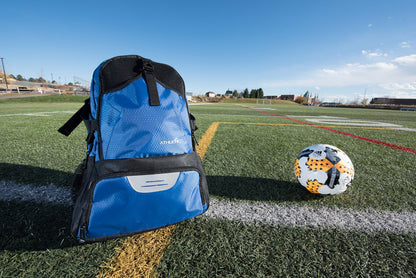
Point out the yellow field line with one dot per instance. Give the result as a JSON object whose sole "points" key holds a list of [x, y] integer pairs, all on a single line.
{"points": [[206, 139], [140, 255]]}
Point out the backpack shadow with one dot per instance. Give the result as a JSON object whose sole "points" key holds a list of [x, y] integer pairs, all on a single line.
{"points": [[258, 189], [36, 223], [34, 226]]}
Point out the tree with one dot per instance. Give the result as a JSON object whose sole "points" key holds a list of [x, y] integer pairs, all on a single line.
{"points": [[260, 93], [20, 78], [245, 94], [31, 79], [253, 93], [301, 100], [235, 93], [41, 80]]}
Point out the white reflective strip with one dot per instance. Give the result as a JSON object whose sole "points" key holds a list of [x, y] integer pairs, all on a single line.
{"points": [[153, 183]]}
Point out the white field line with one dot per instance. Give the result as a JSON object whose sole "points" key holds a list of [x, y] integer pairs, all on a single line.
{"points": [[199, 103], [38, 114], [368, 220], [50, 194], [232, 115], [318, 217], [330, 120]]}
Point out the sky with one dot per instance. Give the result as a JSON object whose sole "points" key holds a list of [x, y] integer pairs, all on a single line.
{"points": [[338, 50]]}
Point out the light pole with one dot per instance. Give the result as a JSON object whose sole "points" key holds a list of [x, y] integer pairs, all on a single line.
{"points": [[5, 75]]}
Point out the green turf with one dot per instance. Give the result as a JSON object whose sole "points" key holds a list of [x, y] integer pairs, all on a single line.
{"points": [[261, 168], [202, 248], [243, 162], [33, 151]]}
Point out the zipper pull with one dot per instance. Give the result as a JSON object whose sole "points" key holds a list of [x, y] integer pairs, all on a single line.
{"points": [[82, 233], [194, 139]]}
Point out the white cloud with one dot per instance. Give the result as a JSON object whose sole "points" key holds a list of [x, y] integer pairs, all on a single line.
{"points": [[395, 77], [405, 44], [394, 86], [409, 60], [373, 54], [356, 74], [370, 25], [401, 94], [400, 90]]}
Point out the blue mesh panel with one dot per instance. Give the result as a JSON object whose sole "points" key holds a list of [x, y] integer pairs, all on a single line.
{"points": [[130, 128]]}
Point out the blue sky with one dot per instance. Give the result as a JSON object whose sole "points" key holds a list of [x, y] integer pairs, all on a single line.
{"points": [[339, 50]]}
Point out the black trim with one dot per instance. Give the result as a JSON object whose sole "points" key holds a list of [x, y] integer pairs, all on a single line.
{"points": [[98, 118], [83, 199], [169, 78], [155, 165], [148, 165], [120, 71]]}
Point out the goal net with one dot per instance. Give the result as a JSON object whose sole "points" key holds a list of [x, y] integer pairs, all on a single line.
{"points": [[263, 101]]}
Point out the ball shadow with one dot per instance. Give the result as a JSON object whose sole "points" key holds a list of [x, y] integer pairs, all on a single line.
{"points": [[257, 189]]}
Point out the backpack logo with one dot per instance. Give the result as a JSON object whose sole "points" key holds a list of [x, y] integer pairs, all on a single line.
{"points": [[175, 141]]}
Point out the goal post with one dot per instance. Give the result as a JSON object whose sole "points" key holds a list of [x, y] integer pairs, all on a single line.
{"points": [[263, 101]]}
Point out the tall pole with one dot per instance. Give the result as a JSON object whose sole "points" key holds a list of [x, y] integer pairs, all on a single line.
{"points": [[5, 75]]}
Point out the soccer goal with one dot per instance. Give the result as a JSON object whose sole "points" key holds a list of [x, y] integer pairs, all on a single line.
{"points": [[263, 101]]}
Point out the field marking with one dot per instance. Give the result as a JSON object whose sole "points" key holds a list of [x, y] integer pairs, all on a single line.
{"points": [[271, 124], [368, 220], [232, 115], [205, 141], [139, 255], [341, 132], [49, 194], [269, 213], [38, 114], [342, 121]]}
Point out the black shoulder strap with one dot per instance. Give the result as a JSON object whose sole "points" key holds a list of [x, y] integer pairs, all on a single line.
{"points": [[81, 115]]}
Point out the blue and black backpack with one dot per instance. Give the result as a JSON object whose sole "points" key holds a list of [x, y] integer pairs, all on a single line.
{"points": [[142, 171]]}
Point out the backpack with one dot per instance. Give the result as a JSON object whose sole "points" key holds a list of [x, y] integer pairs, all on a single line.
{"points": [[141, 171]]}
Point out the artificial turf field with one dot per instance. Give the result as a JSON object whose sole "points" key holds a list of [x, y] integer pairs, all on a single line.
{"points": [[261, 222]]}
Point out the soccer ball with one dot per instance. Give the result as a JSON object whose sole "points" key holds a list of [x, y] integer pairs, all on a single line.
{"points": [[324, 169]]}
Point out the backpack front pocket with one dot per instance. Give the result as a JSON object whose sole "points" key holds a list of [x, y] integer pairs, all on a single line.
{"points": [[136, 203]]}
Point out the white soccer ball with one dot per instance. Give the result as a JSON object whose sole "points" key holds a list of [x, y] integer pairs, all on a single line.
{"points": [[324, 169]]}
